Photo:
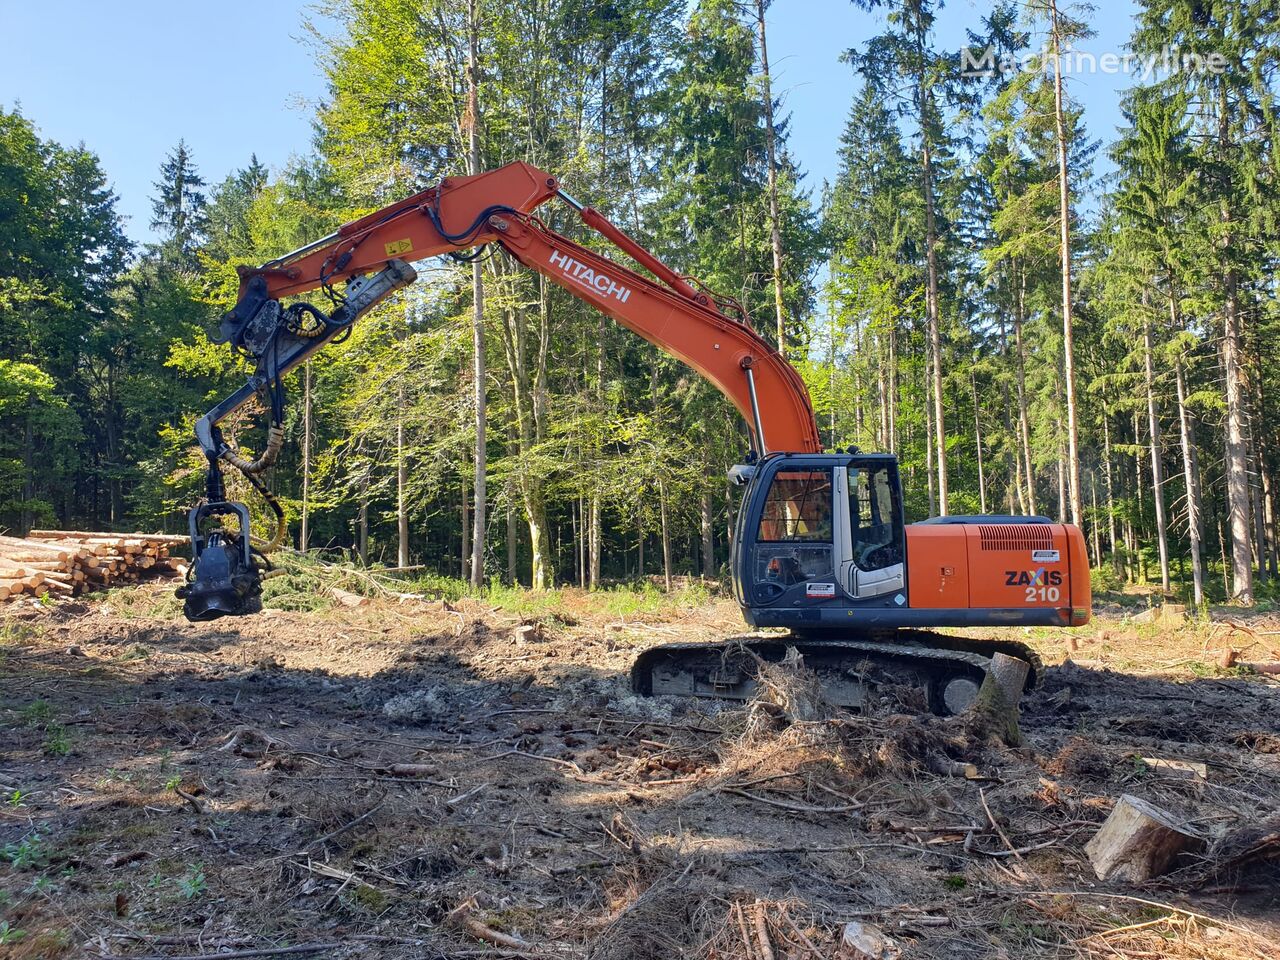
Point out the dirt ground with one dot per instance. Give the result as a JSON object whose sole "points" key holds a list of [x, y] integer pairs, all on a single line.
{"points": [[420, 779]]}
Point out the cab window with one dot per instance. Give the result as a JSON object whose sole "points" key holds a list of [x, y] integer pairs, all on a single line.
{"points": [[794, 539], [874, 518], [798, 508]]}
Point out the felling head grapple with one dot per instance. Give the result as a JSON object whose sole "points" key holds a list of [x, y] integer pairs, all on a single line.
{"points": [[227, 570], [225, 579]]}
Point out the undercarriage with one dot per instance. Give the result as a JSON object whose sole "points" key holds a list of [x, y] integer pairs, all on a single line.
{"points": [[853, 669]]}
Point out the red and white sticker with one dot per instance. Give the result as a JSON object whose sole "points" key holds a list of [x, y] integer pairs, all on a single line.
{"points": [[820, 590]]}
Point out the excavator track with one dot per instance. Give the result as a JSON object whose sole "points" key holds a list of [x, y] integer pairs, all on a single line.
{"points": [[947, 669]]}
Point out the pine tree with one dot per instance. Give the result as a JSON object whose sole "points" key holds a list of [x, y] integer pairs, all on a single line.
{"points": [[178, 209]]}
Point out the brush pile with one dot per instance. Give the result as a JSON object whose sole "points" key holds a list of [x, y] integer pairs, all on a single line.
{"points": [[69, 562]]}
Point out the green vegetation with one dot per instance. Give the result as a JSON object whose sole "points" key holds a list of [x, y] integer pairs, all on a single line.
{"points": [[38, 713], [57, 742], [26, 854], [192, 884]]}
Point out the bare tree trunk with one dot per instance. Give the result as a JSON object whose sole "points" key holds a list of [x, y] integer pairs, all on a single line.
{"points": [[1157, 465], [512, 532], [977, 435], [464, 554], [362, 521], [893, 391], [593, 543], [1191, 476], [582, 543], [402, 484], [1062, 484], [708, 537], [775, 228], [666, 533], [1024, 421], [1064, 215], [1093, 526], [932, 311], [1111, 493], [1226, 566], [477, 289], [1140, 512], [928, 438], [1237, 467], [1268, 498], [306, 455], [1237, 460], [1257, 489]]}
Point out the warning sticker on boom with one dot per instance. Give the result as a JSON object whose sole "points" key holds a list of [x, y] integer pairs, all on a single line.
{"points": [[397, 247]]}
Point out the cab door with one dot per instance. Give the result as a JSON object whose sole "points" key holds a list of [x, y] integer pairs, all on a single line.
{"points": [[873, 559]]}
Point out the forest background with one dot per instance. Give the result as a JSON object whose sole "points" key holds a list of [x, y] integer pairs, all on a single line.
{"points": [[1037, 316]]}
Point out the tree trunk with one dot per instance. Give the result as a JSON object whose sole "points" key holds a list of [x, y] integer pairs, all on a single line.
{"points": [[1157, 457], [932, 311], [1064, 216], [512, 531], [775, 228], [1024, 421], [593, 543], [1111, 493], [1093, 524], [402, 484], [1237, 467], [666, 533], [306, 456], [1258, 490], [928, 438], [362, 521], [1191, 477], [477, 290], [581, 533], [893, 391], [1236, 458], [708, 537], [977, 436], [464, 555], [1062, 484]]}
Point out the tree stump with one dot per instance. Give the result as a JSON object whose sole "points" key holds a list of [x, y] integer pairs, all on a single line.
{"points": [[1137, 842], [995, 710]]}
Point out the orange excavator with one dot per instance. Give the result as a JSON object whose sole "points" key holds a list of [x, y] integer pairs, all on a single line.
{"points": [[820, 548]]}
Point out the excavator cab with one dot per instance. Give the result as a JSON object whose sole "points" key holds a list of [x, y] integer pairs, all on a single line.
{"points": [[818, 530]]}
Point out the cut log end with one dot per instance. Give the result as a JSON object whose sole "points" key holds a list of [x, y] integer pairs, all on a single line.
{"points": [[1138, 841]]}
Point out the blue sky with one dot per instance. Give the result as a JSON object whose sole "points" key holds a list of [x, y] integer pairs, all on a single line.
{"points": [[235, 77]]}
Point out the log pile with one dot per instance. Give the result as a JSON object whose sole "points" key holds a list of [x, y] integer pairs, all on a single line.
{"points": [[68, 562]]}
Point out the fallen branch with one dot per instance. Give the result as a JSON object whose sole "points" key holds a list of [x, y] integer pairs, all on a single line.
{"points": [[1225, 924], [260, 952], [762, 931], [346, 826], [798, 807], [190, 798], [460, 917], [1013, 851]]}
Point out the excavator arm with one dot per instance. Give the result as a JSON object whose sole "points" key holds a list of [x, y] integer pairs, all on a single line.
{"points": [[367, 260]]}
